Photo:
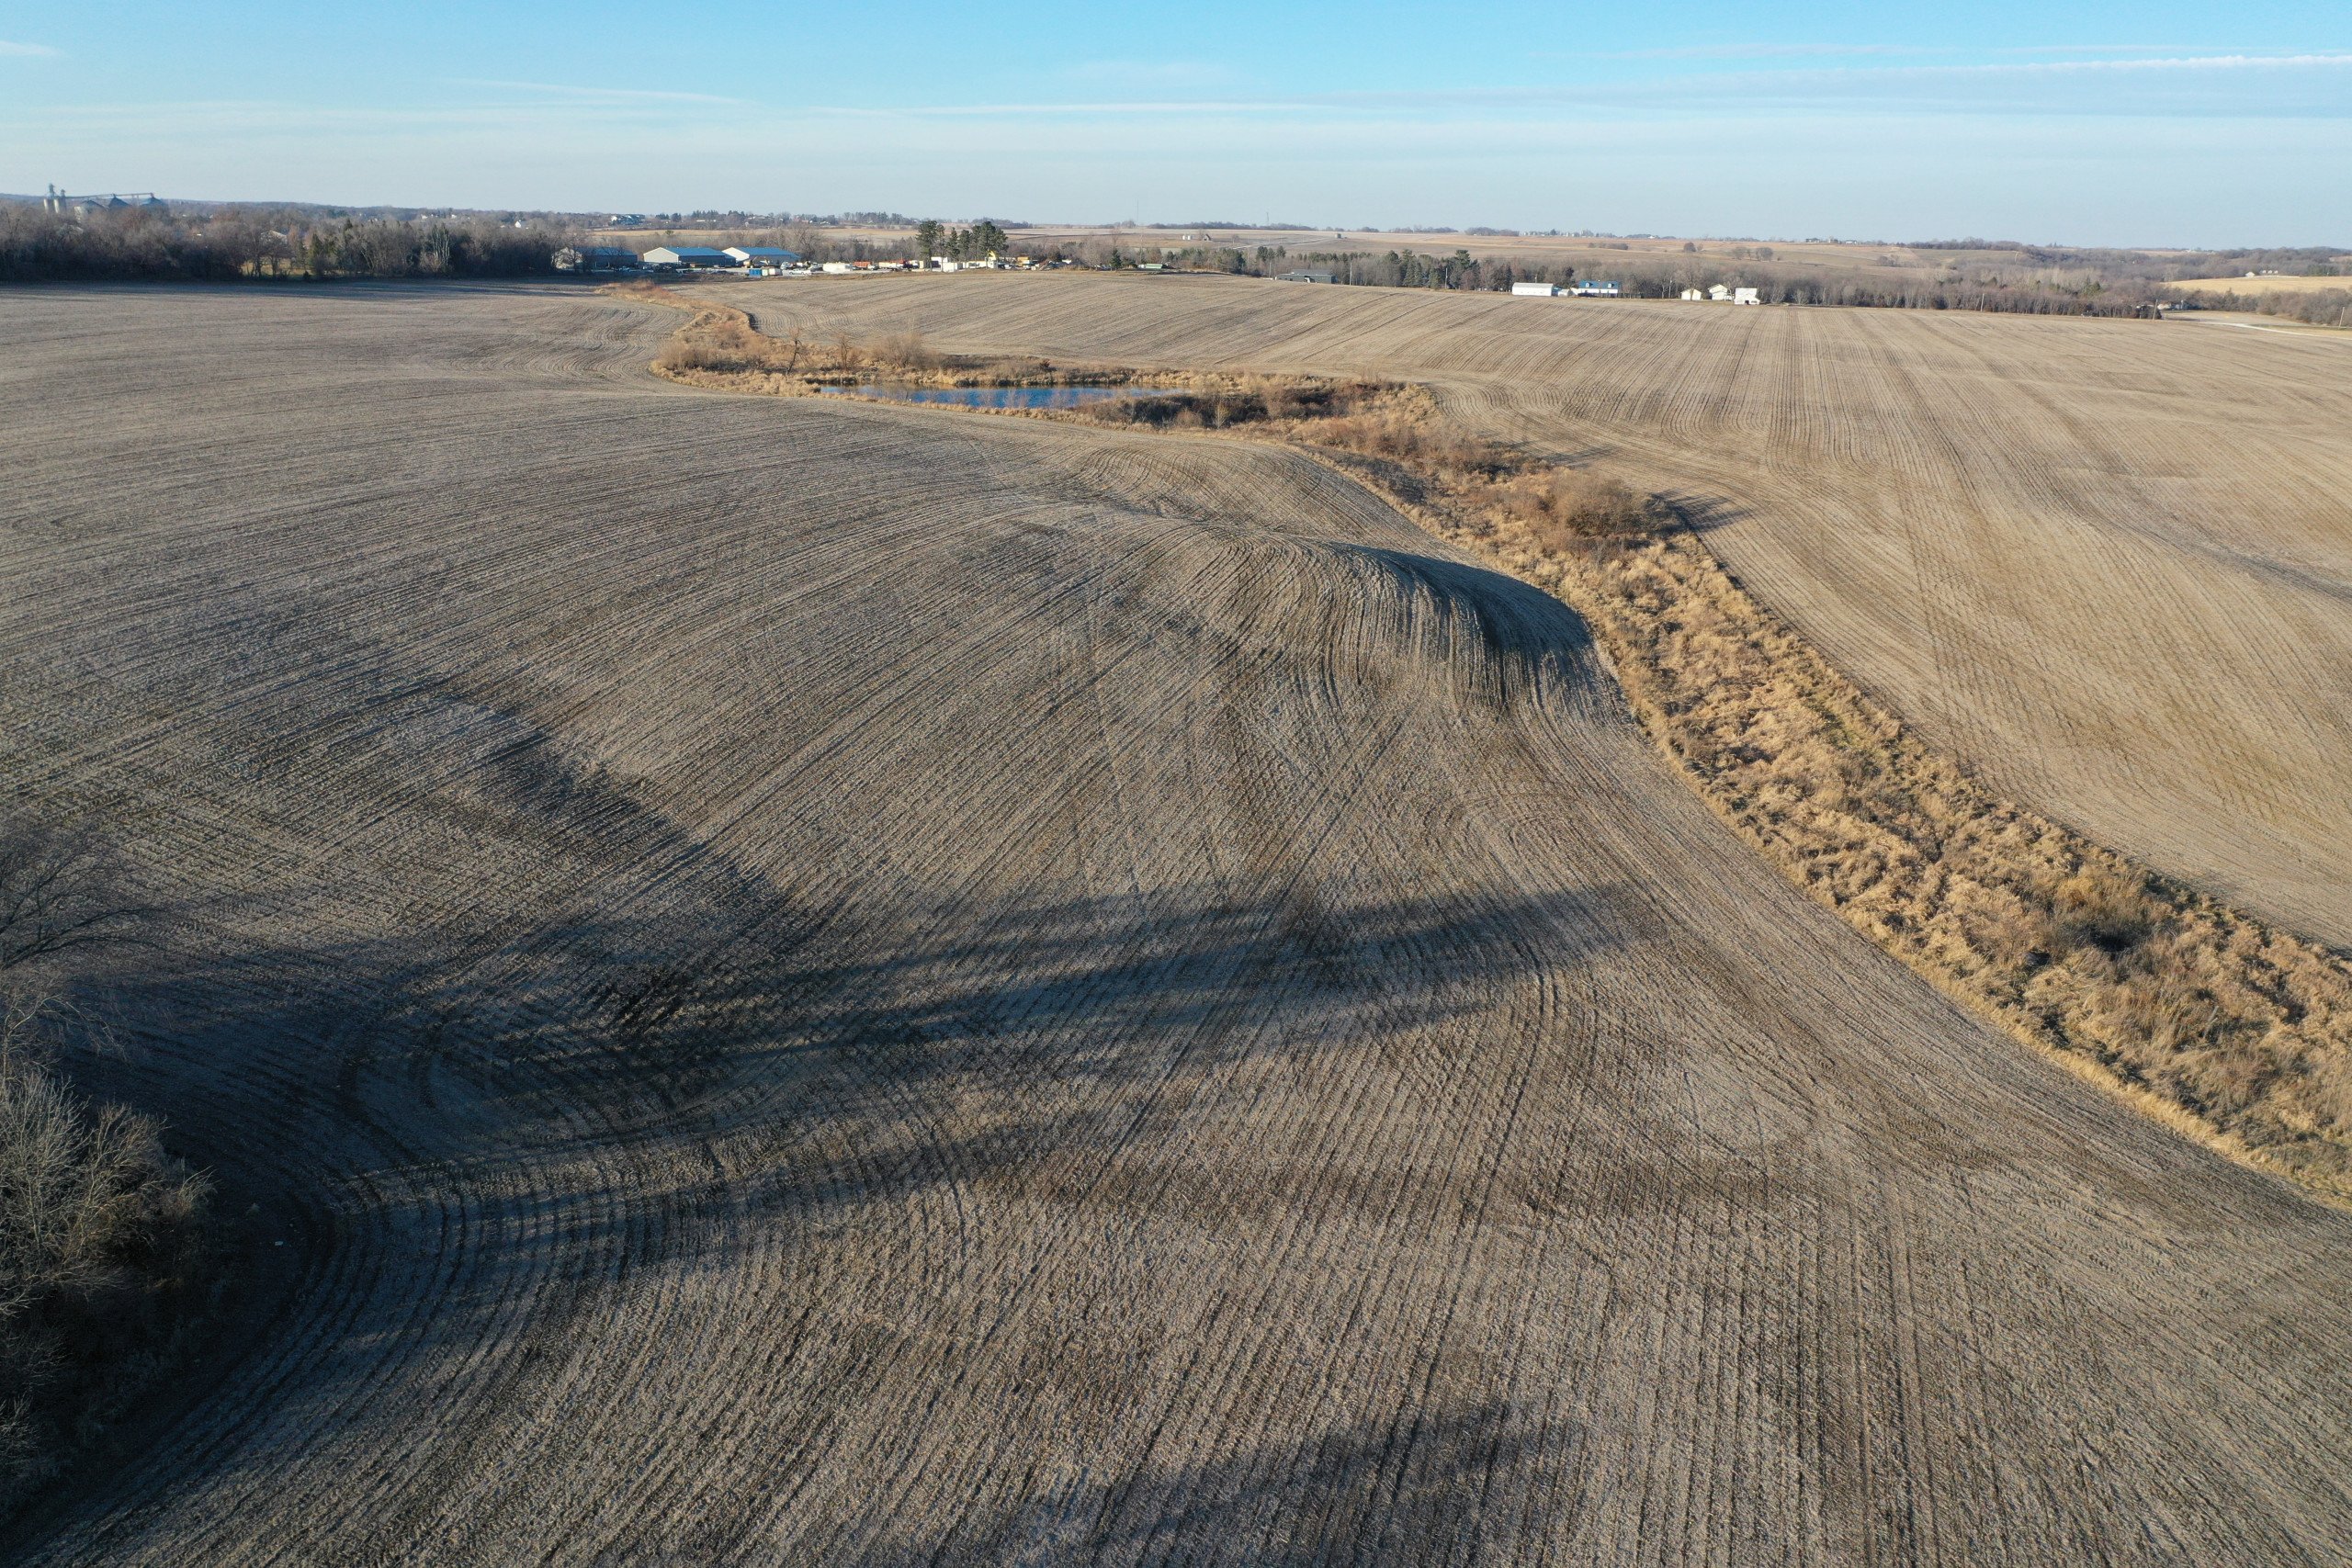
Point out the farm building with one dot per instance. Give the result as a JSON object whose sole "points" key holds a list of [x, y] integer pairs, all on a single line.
{"points": [[1306, 277], [1745, 297], [763, 255], [1534, 290], [595, 258], [1596, 289], [1719, 293], [1693, 294], [142, 201], [693, 257]]}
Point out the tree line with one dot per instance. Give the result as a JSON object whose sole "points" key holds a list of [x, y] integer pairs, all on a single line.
{"points": [[237, 242], [981, 241], [2317, 307], [258, 242], [2079, 291]]}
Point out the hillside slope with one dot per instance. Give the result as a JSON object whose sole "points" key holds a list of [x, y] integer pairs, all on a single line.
{"points": [[2108, 563], [828, 982]]}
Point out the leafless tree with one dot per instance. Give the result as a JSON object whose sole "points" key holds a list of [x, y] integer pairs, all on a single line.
{"points": [[59, 894]]}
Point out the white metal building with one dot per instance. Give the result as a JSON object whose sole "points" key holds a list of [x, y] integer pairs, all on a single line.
{"points": [[687, 256], [1534, 290], [763, 255]]}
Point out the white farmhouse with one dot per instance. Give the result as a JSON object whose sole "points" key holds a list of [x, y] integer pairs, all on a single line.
{"points": [[1719, 293], [1745, 297]]}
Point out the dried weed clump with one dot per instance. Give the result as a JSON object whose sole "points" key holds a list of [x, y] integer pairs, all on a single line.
{"points": [[1560, 506], [1386, 422], [719, 347]]}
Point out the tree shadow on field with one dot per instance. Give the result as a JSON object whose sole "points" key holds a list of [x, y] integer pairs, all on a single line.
{"points": [[1458, 1485], [477, 1136], [1426, 1487], [474, 1142], [1708, 514]]}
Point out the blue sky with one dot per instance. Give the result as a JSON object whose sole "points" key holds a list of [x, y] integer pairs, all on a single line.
{"points": [[2096, 122]]}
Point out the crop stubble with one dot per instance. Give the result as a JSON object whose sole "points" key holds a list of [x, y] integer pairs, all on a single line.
{"points": [[826, 983], [2107, 563]]}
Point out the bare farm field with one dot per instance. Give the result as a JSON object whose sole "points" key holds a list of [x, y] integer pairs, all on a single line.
{"points": [[2107, 563], [2265, 283], [806, 981]]}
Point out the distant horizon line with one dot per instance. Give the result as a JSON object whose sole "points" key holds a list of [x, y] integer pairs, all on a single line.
{"points": [[889, 218]]}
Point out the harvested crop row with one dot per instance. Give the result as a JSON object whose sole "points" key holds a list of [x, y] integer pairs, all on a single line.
{"points": [[820, 982], [2105, 563], [2234, 1033], [2238, 1034]]}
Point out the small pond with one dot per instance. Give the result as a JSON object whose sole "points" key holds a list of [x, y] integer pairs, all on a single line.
{"points": [[995, 397]]}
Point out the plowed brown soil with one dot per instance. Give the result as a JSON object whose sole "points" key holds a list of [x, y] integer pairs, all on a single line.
{"points": [[825, 983], [2107, 563]]}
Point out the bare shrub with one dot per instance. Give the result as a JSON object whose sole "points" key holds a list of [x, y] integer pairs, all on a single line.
{"points": [[1560, 506], [904, 352], [101, 1232], [1406, 436], [1210, 410], [716, 342]]}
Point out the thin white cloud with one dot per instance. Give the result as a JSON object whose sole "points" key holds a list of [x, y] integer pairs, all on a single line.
{"points": [[1127, 108], [1157, 73], [593, 95], [2176, 63], [2130, 49], [25, 49], [1995, 85], [1758, 52]]}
